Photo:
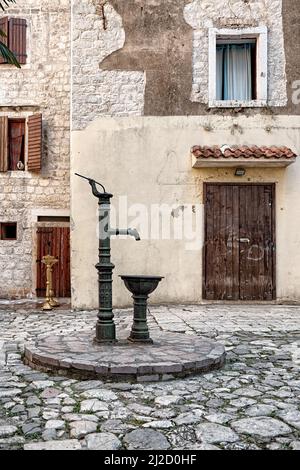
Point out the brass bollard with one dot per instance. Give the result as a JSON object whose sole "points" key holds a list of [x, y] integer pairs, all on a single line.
{"points": [[50, 302]]}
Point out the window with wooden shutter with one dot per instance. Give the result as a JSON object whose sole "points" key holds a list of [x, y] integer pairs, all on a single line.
{"points": [[17, 38], [4, 39], [34, 142], [3, 143], [16, 144]]}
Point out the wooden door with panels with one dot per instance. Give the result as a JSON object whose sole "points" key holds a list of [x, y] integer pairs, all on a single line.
{"points": [[54, 241], [240, 243]]}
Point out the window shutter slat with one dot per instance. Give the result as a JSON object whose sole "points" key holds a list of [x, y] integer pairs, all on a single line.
{"points": [[4, 28], [17, 38], [34, 142], [3, 143]]}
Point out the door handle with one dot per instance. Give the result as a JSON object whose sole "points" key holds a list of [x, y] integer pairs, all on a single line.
{"points": [[244, 240]]}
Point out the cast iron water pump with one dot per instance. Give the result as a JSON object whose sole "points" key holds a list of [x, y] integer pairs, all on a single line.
{"points": [[105, 327]]}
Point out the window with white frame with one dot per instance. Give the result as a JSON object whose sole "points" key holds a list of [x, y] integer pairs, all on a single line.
{"points": [[238, 67]]}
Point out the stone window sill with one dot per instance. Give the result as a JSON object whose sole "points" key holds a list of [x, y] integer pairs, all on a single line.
{"points": [[238, 104], [16, 174]]}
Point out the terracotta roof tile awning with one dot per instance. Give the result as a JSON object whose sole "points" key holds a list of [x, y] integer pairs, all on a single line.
{"points": [[242, 155]]}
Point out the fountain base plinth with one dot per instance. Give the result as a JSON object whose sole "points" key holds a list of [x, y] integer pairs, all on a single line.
{"points": [[171, 355]]}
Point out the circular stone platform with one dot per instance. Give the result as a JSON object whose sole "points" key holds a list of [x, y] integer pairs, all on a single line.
{"points": [[172, 355]]}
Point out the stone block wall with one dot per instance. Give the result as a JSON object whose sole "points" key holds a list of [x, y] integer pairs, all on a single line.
{"points": [[43, 86]]}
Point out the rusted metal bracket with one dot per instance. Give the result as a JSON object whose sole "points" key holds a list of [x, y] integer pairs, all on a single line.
{"points": [[104, 17], [100, 10]]}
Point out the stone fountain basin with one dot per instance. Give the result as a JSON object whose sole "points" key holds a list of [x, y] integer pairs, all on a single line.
{"points": [[141, 285]]}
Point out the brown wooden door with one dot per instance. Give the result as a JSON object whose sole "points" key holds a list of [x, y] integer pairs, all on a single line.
{"points": [[239, 255], [56, 241]]}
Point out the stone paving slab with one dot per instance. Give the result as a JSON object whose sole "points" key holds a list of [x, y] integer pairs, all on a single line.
{"points": [[172, 355], [253, 402]]}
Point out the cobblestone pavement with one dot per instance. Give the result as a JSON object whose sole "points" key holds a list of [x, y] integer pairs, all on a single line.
{"points": [[253, 403]]}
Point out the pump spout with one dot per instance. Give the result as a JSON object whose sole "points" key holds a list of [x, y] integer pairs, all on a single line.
{"points": [[134, 233], [131, 232]]}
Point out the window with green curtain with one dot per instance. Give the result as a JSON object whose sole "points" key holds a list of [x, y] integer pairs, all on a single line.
{"points": [[234, 69]]}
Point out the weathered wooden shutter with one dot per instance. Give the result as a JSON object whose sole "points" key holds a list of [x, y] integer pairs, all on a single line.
{"points": [[4, 29], [34, 142], [3, 143], [17, 38]]}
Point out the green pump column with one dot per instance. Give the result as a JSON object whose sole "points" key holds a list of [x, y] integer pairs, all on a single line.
{"points": [[105, 327]]}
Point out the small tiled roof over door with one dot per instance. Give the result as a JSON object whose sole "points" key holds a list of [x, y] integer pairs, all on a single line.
{"points": [[242, 154]]}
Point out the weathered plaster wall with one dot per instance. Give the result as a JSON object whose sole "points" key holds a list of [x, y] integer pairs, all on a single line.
{"points": [[291, 27], [148, 159], [138, 58], [42, 85], [162, 45], [97, 92]]}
